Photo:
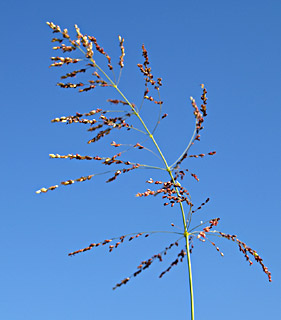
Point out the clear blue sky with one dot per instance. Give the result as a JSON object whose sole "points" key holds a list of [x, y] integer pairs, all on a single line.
{"points": [[234, 48]]}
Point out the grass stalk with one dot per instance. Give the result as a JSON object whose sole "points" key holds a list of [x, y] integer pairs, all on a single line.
{"points": [[169, 188]]}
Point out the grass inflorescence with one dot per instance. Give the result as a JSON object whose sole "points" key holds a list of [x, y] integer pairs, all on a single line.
{"points": [[104, 122]]}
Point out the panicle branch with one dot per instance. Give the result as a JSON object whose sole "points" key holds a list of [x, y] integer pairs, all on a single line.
{"points": [[62, 61], [121, 59], [174, 263], [66, 183], [118, 241], [146, 71], [201, 205], [199, 119], [147, 263], [246, 251]]}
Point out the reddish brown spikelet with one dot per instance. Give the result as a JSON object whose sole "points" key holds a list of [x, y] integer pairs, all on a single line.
{"points": [[149, 98], [67, 182], [114, 144], [135, 166], [201, 155], [158, 102], [138, 146], [87, 88], [202, 234], [117, 244], [57, 40], [44, 190], [159, 82], [195, 176], [139, 234], [124, 281], [116, 101], [158, 182], [92, 112]]}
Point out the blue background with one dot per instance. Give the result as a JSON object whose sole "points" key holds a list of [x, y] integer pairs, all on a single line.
{"points": [[233, 47]]}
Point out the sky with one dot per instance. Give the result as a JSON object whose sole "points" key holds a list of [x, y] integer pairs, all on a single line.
{"points": [[234, 48]]}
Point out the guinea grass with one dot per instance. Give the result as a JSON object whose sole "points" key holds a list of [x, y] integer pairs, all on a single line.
{"points": [[173, 193]]}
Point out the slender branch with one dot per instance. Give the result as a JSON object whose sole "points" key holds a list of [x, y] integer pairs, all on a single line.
{"points": [[130, 127], [189, 216], [150, 232], [199, 225], [159, 114], [145, 166], [188, 146]]}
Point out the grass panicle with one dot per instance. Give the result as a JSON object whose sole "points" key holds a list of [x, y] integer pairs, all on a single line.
{"points": [[105, 121]]}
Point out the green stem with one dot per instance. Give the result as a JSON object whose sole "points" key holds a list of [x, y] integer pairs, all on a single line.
{"points": [[190, 278], [186, 235]]}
